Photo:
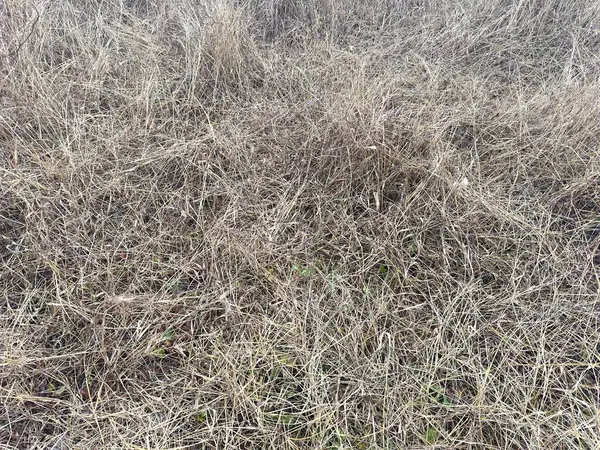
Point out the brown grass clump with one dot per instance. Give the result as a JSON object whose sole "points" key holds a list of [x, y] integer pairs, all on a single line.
{"points": [[300, 224]]}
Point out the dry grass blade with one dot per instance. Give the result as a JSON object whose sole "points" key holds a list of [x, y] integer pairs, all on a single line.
{"points": [[300, 224]]}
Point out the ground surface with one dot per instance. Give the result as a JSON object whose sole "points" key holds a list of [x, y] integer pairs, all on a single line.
{"points": [[299, 224]]}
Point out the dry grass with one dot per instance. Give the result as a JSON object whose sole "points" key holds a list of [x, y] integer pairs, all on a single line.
{"points": [[300, 224]]}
